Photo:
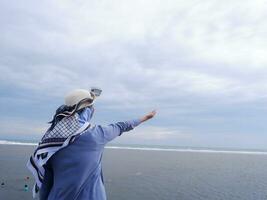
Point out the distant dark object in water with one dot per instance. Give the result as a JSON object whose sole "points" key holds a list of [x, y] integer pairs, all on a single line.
{"points": [[2, 183]]}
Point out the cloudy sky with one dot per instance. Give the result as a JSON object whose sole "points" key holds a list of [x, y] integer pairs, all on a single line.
{"points": [[201, 63]]}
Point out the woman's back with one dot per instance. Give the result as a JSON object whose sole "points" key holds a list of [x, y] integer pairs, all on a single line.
{"points": [[77, 168], [67, 162]]}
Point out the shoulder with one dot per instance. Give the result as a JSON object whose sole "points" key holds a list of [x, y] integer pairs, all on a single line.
{"points": [[93, 131]]}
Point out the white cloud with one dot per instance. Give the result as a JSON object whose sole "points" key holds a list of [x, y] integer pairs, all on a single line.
{"points": [[154, 135], [21, 127], [73, 39], [182, 57]]}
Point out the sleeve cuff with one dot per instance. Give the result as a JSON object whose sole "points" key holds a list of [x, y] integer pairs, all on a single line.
{"points": [[136, 122]]}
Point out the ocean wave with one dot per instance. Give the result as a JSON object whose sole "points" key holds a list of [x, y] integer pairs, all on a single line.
{"points": [[17, 143], [6, 142], [190, 150]]}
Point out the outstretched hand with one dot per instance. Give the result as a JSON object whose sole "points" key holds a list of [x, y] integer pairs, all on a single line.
{"points": [[148, 116]]}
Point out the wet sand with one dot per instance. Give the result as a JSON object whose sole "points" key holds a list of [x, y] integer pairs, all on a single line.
{"points": [[13, 172], [150, 175]]}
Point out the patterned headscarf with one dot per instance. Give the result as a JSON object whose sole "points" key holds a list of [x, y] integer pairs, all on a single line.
{"points": [[66, 111], [66, 126], [63, 133]]}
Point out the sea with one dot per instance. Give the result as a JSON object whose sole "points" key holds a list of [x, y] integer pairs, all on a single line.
{"points": [[136, 172]]}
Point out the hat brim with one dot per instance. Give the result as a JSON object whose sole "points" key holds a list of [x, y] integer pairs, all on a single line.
{"points": [[86, 104]]}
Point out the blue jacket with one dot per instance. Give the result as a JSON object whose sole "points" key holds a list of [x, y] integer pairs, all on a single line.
{"points": [[75, 172]]}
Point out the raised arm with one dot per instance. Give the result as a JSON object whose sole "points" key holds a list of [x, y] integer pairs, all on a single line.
{"points": [[108, 133]]}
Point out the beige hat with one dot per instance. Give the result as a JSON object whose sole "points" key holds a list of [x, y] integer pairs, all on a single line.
{"points": [[76, 96]]}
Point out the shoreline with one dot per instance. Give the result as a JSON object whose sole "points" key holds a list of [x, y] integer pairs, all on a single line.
{"points": [[189, 150], [153, 174]]}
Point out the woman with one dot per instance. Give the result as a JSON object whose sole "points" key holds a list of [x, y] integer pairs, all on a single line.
{"points": [[67, 162]]}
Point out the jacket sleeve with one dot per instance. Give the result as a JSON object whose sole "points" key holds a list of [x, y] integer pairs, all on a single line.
{"points": [[108, 133]]}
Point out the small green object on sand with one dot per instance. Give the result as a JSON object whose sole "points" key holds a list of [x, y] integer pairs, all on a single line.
{"points": [[26, 188]]}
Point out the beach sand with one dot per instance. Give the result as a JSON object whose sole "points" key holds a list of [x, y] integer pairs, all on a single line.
{"points": [[13, 172], [155, 175]]}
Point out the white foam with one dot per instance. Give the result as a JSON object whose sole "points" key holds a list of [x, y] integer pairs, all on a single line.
{"points": [[190, 150], [155, 149], [17, 143]]}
